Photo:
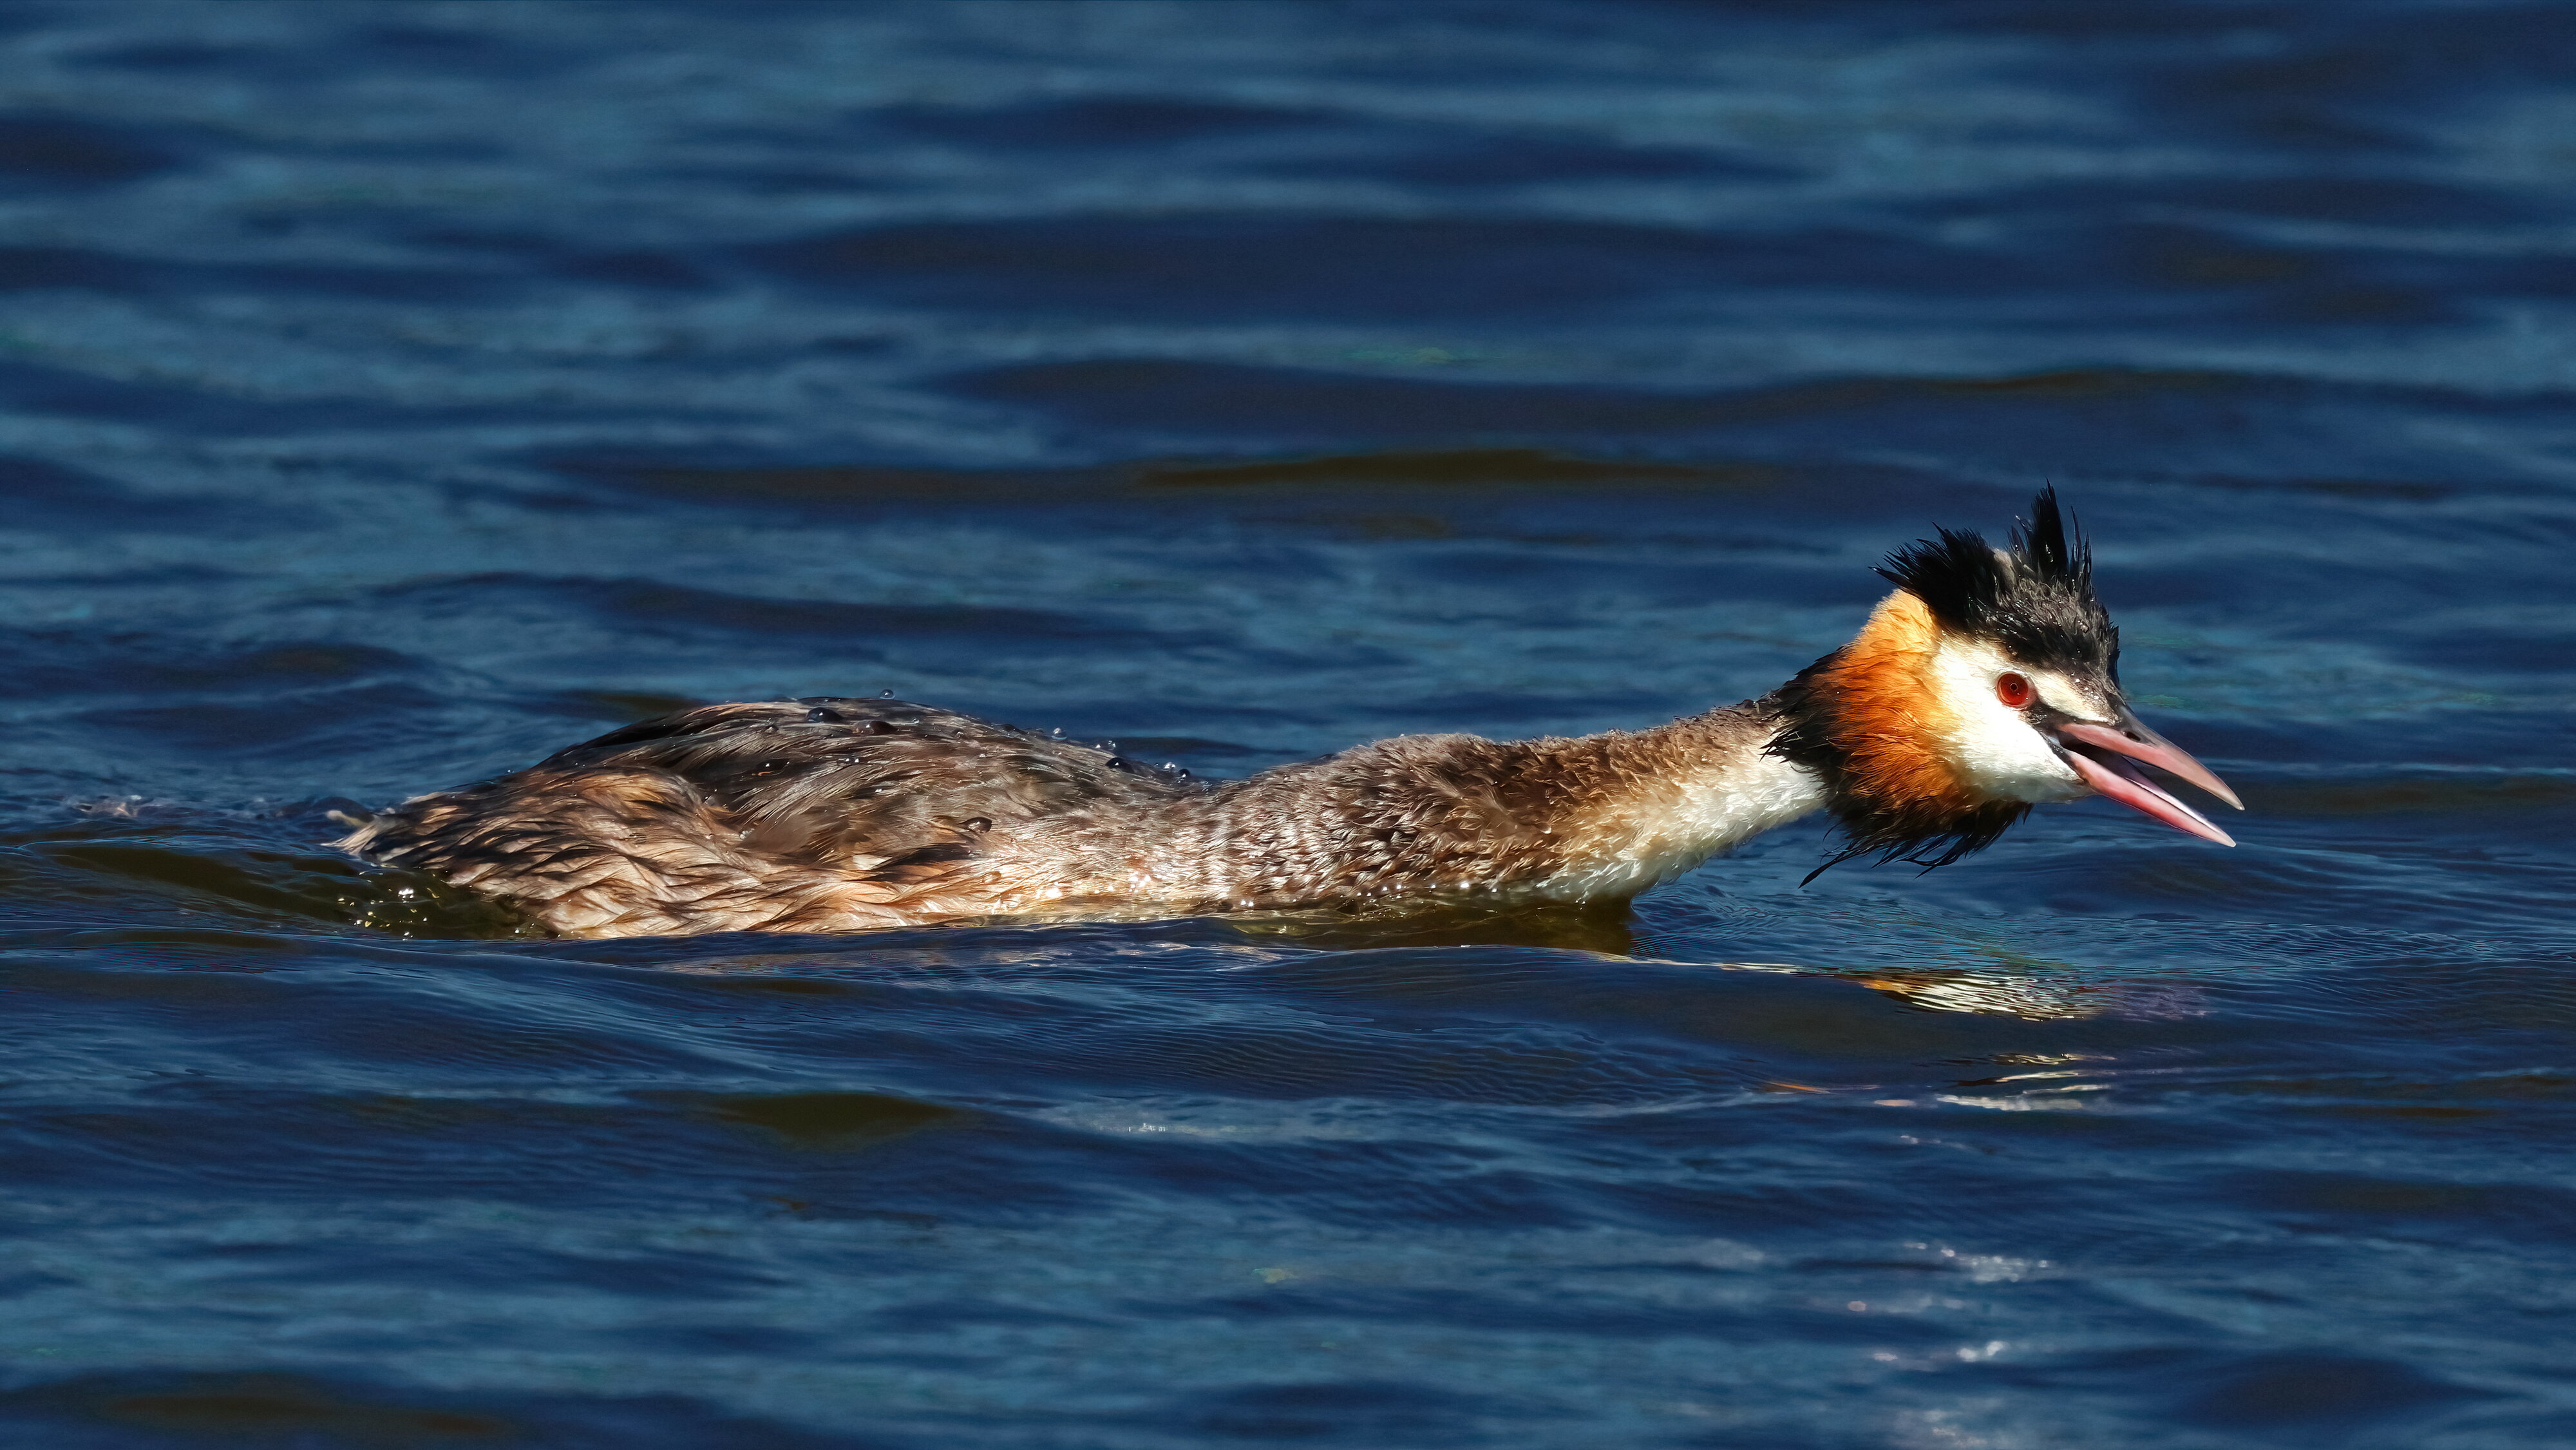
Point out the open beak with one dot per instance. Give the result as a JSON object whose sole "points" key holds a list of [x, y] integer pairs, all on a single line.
{"points": [[2106, 757]]}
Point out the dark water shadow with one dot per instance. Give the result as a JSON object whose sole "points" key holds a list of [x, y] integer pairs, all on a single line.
{"points": [[1151, 484], [1220, 265], [145, 1411], [41, 152], [46, 496]]}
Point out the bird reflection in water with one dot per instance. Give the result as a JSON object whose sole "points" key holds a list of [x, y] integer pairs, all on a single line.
{"points": [[2035, 989], [2036, 998]]}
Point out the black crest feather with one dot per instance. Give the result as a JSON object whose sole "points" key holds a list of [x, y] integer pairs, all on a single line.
{"points": [[2035, 598]]}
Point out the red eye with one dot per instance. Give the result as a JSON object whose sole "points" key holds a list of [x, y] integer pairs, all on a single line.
{"points": [[2012, 689]]}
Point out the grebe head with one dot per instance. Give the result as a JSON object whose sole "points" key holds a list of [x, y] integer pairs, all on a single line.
{"points": [[1988, 682]]}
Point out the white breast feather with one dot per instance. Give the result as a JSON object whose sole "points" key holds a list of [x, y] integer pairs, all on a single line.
{"points": [[1707, 814]]}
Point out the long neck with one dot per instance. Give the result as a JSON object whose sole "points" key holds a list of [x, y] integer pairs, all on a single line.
{"points": [[1645, 806], [1601, 817]]}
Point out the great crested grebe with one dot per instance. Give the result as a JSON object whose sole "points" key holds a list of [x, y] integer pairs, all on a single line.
{"points": [[1987, 682]]}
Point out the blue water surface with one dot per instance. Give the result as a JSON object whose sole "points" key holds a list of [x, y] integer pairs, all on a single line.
{"points": [[394, 392]]}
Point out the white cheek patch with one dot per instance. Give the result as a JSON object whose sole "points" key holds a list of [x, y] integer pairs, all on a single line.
{"points": [[1994, 749]]}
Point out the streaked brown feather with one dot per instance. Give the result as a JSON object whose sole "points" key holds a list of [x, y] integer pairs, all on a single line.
{"points": [[781, 815]]}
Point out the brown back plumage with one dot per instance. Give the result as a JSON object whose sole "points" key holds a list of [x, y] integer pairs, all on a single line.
{"points": [[815, 814]]}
